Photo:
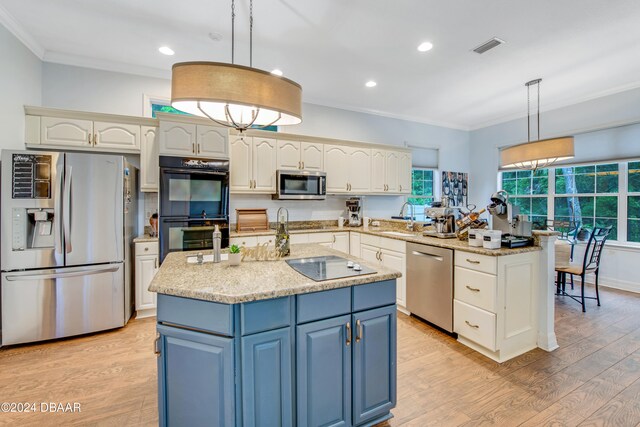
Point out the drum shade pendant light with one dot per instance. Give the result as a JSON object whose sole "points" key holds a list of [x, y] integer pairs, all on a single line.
{"points": [[234, 95], [540, 153]]}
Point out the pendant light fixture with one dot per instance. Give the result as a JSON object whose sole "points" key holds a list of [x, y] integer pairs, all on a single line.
{"points": [[539, 153], [234, 95]]}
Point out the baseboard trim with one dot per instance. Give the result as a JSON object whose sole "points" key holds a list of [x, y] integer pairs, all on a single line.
{"points": [[608, 282]]}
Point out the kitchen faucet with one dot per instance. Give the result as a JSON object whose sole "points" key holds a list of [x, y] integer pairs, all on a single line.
{"points": [[411, 213]]}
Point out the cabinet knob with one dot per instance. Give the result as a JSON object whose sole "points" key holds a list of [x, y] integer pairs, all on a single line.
{"points": [[146, 249]]}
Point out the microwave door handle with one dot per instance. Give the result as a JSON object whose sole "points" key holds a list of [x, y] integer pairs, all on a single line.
{"points": [[66, 213]]}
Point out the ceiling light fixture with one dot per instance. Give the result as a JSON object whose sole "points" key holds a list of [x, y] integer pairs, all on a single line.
{"points": [[371, 83], [276, 72], [234, 95], [537, 154], [166, 50], [425, 47]]}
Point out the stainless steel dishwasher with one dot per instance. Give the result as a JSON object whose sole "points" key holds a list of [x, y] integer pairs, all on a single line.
{"points": [[430, 284]]}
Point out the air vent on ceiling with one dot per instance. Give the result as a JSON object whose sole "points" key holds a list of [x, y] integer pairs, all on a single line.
{"points": [[488, 45]]}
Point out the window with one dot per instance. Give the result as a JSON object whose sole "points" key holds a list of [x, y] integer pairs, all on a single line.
{"points": [[164, 108], [596, 195], [421, 190], [633, 202], [528, 190], [589, 195]]}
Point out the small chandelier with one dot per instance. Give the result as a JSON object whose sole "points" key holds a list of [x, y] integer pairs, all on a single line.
{"points": [[234, 95], [540, 153]]}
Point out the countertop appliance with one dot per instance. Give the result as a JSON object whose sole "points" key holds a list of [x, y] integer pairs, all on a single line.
{"points": [[354, 208], [327, 268], [516, 228], [194, 198], [68, 221], [300, 185], [430, 284], [443, 220]]}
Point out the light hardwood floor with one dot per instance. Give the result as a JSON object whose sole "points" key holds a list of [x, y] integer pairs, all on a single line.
{"points": [[592, 380]]}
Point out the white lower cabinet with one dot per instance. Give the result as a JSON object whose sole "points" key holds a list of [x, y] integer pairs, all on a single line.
{"points": [[495, 305], [354, 244], [338, 240], [147, 263], [389, 253]]}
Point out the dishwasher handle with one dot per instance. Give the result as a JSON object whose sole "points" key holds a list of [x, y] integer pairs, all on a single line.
{"points": [[431, 256]]}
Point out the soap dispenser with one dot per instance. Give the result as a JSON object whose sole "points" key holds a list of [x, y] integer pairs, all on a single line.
{"points": [[217, 242], [282, 232]]}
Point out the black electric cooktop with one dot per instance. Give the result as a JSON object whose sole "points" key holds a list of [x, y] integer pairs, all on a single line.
{"points": [[326, 268]]}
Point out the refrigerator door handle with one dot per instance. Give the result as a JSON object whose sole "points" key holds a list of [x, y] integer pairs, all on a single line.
{"points": [[57, 209], [85, 271], [67, 212]]}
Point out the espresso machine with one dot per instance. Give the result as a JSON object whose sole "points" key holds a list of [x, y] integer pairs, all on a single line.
{"points": [[505, 217], [443, 219], [354, 209]]}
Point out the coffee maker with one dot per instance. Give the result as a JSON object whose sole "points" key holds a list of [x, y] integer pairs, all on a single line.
{"points": [[505, 217], [443, 219], [354, 209]]}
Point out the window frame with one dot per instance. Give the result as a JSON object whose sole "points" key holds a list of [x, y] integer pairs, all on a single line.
{"points": [[435, 188], [622, 194]]}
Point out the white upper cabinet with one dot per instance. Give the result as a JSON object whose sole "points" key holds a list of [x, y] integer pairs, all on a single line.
{"points": [[348, 169], [289, 155], [62, 132], [312, 156], [149, 153], [211, 142], [253, 165], [177, 139], [404, 173], [336, 162], [116, 136], [300, 155], [393, 163], [378, 170], [188, 139], [359, 170], [264, 164]]}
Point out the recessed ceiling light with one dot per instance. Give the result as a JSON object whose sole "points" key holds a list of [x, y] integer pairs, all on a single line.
{"points": [[425, 47], [371, 83], [276, 72], [166, 50]]}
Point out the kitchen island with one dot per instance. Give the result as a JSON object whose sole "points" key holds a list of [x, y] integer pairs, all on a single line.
{"points": [[260, 344]]}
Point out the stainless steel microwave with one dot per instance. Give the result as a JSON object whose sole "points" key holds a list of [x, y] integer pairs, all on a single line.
{"points": [[300, 185]]}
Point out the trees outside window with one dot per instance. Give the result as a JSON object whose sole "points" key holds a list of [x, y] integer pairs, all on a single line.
{"points": [[421, 191]]}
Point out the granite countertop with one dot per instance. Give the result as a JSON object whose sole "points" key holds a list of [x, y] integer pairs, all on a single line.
{"points": [[252, 280], [145, 238], [413, 237]]}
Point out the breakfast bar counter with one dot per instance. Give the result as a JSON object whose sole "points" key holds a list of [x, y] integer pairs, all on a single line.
{"points": [[261, 344]]}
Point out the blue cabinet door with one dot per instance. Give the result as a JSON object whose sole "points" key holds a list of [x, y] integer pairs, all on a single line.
{"points": [[374, 363], [324, 373], [195, 379], [267, 379]]}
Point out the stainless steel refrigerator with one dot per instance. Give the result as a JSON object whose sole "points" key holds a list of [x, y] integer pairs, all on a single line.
{"points": [[67, 223]]}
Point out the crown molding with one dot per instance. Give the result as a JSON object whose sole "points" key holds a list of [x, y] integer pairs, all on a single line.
{"points": [[10, 23], [105, 65]]}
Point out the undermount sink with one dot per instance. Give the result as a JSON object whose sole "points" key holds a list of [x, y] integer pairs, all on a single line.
{"points": [[398, 233]]}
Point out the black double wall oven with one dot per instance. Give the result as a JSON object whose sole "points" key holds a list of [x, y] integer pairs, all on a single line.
{"points": [[194, 198]]}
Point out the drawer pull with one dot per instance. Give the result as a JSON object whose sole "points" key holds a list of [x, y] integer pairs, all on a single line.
{"points": [[146, 249], [473, 289], [471, 325], [471, 261], [348, 326]]}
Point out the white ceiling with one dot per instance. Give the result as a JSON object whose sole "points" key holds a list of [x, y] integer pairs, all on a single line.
{"points": [[581, 48]]}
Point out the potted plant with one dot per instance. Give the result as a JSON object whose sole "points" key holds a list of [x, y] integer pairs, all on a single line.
{"points": [[234, 255]]}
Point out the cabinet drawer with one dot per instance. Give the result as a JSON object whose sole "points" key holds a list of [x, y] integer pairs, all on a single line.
{"points": [[203, 315], [320, 237], [484, 263], [265, 315], [296, 238], [247, 241], [147, 248], [368, 239], [476, 288], [393, 245], [475, 324], [374, 295], [322, 305]]}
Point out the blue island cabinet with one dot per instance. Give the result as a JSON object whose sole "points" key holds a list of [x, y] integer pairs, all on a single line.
{"points": [[320, 359]]}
